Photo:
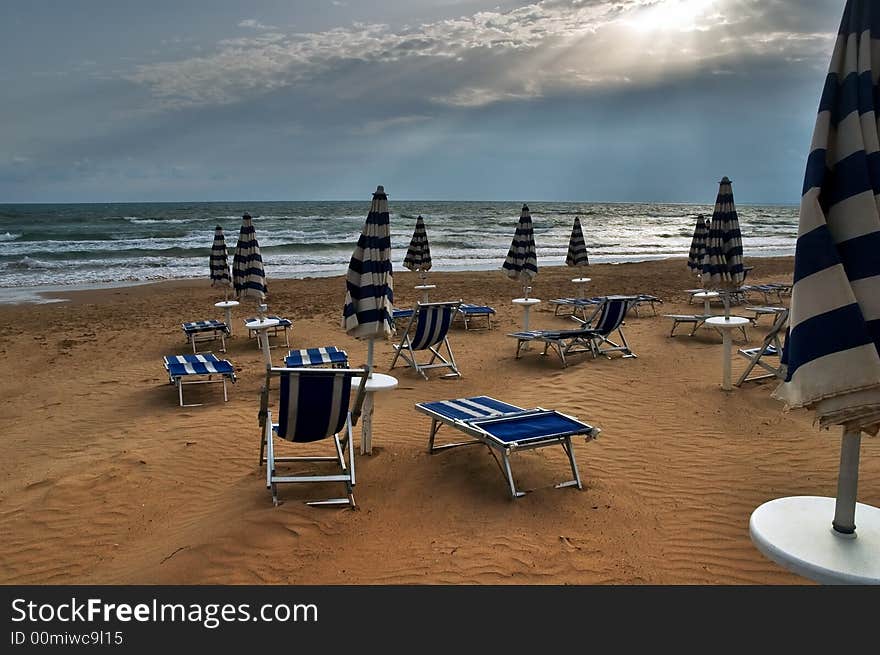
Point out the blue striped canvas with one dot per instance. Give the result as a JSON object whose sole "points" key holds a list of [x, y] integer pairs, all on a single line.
{"points": [[612, 315], [248, 275], [577, 248], [316, 357], [205, 326], [522, 258], [470, 408], [832, 350], [219, 262], [698, 246], [418, 255], [207, 364], [432, 325], [369, 287], [722, 264], [313, 404]]}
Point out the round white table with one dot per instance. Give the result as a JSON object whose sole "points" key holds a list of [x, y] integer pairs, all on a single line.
{"points": [[261, 325], [376, 382], [425, 288], [581, 282], [796, 533], [706, 297], [227, 305], [726, 325], [526, 304]]}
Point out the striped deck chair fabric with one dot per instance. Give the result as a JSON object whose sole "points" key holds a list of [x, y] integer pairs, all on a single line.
{"points": [[198, 369], [771, 347], [325, 356], [428, 330], [313, 405], [505, 429], [203, 331]]}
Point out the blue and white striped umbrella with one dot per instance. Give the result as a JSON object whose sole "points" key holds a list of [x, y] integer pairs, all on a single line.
{"points": [[248, 275], [698, 246], [577, 248], [219, 261], [522, 259], [833, 348], [722, 265], [418, 256], [369, 288]]}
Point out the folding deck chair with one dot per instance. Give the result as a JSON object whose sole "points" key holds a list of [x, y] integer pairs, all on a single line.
{"points": [[505, 429], [427, 329], [198, 369], [313, 405], [326, 356], [284, 326], [201, 331], [584, 339], [771, 347], [468, 312]]}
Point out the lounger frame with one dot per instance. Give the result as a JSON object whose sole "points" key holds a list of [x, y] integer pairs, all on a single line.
{"points": [[204, 378]]}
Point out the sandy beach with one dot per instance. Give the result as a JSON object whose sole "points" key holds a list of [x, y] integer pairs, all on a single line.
{"points": [[106, 480]]}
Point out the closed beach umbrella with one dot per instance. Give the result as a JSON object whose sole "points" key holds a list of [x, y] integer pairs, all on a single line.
{"points": [[833, 347], [248, 276], [369, 288], [418, 256], [698, 245], [577, 248], [722, 264], [522, 259], [219, 262]]}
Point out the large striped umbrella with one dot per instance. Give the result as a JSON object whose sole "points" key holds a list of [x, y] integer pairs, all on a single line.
{"points": [[577, 248], [722, 264], [418, 256], [248, 276], [832, 351], [219, 261], [522, 259], [698, 246], [369, 288]]}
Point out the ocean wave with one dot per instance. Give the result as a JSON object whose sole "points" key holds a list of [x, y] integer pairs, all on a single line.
{"points": [[9, 236]]}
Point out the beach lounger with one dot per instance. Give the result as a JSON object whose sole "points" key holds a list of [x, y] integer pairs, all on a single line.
{"points": [[771, 347], [326, 356], [646, 299], [468, 312], [585, 339], [427, 330], [202, 331], [283, 326], [696, 319], [399, 316], [504, 429], [198, 369], [313, 406], [586, 307]]}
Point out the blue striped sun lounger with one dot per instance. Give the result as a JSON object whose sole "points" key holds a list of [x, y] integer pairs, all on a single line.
{"points": [[198, 369], [506, 428], [200, 331], [325, 356], [467, 312]]}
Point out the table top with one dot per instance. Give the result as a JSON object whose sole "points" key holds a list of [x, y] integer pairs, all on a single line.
{"points": [[227, 303], [766, 310], [730, 322], [261, 324], [422, 287], [377, 382], [796, 533], [706, 294], [579, 280], [525, 301]]}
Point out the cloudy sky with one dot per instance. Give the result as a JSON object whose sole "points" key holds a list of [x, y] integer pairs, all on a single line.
{"points": [[617, 100]]}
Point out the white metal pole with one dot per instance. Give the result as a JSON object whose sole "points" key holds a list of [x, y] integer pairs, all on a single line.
{"points": [[844, 523]]}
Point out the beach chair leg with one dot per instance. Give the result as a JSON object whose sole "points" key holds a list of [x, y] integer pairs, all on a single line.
{"points": [[566, 446], [505, 459], [180, 390]]}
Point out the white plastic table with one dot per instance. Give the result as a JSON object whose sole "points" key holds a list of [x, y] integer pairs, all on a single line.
{"points": [[796, 533], [425, 288], [726, 325], [261, 325], [581, 282], [227, 305], [376, 382], [706, 297], [526, 304]]}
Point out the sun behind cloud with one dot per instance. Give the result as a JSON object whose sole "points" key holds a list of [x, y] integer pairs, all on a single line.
{"points": [[673, 15]]}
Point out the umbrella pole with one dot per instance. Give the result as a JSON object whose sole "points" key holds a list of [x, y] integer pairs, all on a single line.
{"points": [[726, 296], [844, 523], [369, 358]]}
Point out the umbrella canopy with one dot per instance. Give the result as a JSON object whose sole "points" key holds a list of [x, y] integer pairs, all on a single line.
{"points": [[577, 248], [722, 265], [369, 288], [698, 245], [248, 276], [833, 348], [418, 257], [522, 259], [219, 262]]}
